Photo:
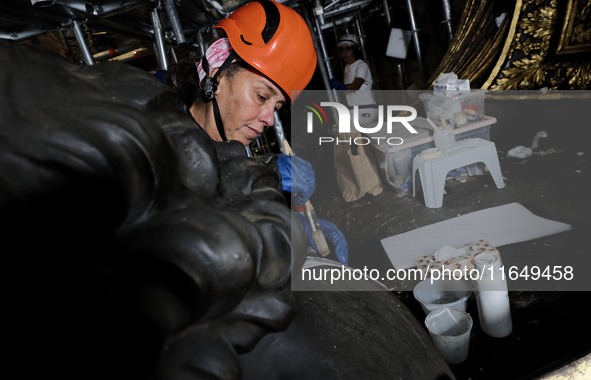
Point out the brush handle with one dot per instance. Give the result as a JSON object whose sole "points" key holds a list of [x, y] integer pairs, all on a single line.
{"points": [[443, 123], [317, 233], [435, 127]]}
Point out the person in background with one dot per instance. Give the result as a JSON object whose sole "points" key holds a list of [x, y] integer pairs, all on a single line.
{"points": [[357, 79], [261, 64]]}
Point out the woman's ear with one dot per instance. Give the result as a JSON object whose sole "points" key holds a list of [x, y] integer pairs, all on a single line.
{"points": [[210, 85], [218, 79]]}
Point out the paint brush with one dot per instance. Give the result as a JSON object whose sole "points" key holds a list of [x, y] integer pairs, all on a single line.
{"points": [[317, 233]]}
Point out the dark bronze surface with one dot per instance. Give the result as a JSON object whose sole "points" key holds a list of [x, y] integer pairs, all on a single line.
{"points": [[135, 247]]}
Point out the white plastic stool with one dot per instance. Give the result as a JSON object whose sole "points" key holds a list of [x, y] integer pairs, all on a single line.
{"points": [[433, 171]]}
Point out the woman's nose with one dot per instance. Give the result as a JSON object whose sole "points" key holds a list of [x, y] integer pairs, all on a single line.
{"points": [[268, 116]]}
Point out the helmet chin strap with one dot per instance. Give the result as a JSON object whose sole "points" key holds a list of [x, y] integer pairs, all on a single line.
{"points": [[210, 86], [218, 119]]}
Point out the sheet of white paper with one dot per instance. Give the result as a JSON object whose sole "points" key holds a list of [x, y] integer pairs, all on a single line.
{"points": [[501, 225], [398, 43]]}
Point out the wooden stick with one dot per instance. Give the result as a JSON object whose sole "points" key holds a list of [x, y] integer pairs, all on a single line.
{"points": [[317, 233], [435, 127], [442, 120]]}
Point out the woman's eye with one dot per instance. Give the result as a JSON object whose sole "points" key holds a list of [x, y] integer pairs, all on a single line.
{"points": [[261, 97]]}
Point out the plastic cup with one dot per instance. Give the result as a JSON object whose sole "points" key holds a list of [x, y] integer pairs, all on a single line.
{"points": [[442, 293], [444, 138], [450, 331]]}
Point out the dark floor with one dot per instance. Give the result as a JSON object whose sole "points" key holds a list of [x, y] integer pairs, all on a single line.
{"points": [[549, 327]]}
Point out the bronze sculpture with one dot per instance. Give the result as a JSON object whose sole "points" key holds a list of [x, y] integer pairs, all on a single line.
{"points": [[135, 247]]}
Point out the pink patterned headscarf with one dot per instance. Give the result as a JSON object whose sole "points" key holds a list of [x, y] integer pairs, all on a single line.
{"points": [[216, 54]]}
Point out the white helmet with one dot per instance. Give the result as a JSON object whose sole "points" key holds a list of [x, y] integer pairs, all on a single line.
{"points": [[348, 40]]}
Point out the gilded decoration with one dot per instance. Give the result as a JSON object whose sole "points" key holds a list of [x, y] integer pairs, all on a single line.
{"points": [[548, 47], [576, 32], [477, 43]]}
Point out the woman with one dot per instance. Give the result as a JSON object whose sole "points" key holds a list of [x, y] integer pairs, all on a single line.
{"points": [[358, 80], [266, 55], [266, 58], [263, 62]]}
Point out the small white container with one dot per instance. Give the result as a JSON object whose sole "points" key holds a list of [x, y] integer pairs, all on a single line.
{"points": [[444, 138], [450, 330], [492, 297], [441, 293]]}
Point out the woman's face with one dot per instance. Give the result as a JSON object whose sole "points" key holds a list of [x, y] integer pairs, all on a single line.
{"points": [[247, 103], [347, 54]]}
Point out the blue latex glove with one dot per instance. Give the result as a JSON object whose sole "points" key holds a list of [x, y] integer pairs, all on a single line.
{"points": [[337, 85], [332, 233], [160, 74], [297, 177]]}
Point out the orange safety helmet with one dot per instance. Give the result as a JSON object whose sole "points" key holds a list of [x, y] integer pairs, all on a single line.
{"points": [[275, 40]]}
